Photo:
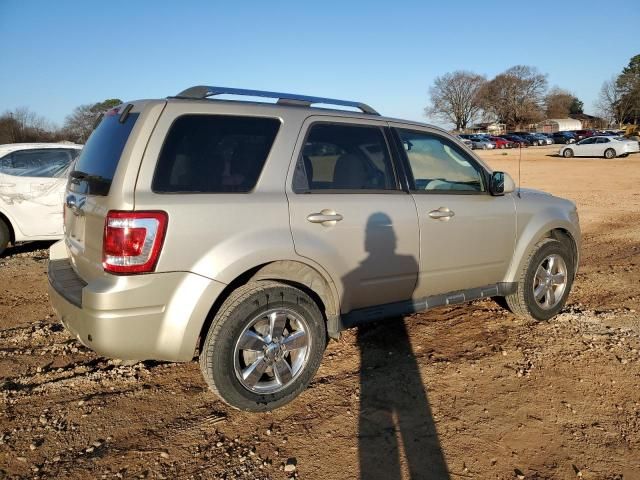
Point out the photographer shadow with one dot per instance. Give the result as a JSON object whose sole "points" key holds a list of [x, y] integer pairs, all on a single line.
{"points": [[397, 432]]}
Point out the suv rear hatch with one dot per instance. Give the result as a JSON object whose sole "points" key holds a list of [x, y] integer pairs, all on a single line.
{"points": [[103, 179]]}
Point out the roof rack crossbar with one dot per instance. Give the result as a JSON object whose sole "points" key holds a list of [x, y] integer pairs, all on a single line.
{"points": [[203, 91]]}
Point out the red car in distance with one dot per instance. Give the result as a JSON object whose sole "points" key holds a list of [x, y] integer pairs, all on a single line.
{"points": [[580, 134], [501, 142]]}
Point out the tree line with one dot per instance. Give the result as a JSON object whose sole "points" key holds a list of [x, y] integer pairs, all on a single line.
{"points": [[520, 96], [21, 125]]}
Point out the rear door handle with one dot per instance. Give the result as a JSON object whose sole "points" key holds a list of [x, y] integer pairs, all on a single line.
{"points": [[443, 213], [326, 217], [7, 185]]}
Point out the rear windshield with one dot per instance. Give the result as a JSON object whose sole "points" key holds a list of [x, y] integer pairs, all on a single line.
{"points": [[96, 166], [214, 154]]}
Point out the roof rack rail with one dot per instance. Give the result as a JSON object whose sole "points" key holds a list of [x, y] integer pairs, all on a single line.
{"points": [[203, 91]]}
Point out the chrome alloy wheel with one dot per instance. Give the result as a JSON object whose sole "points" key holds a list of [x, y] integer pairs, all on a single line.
{"points": [[550, 281], [272, 351]]}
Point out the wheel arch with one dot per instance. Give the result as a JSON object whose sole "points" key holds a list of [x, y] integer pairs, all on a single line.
{"points": [[563, 231], [12, 233], [317, 284]]}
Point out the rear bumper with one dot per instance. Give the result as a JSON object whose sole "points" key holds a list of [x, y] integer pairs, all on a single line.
{"points": [[155, 316]]}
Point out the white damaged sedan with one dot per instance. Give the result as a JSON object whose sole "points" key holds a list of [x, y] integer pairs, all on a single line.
{"points": [[600, 146], [33, 177]]}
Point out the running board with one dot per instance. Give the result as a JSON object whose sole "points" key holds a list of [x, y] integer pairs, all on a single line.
{"points": [[407, 307]]}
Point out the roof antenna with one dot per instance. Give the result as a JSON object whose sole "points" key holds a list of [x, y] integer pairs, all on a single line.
{"points": [[519, 166]]}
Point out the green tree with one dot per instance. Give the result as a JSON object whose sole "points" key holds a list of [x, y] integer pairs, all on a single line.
{"points": [[628, 84], [576, 106]]}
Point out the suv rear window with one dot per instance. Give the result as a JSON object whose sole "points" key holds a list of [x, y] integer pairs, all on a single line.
{"points": [[99, 159], [214, 154]]}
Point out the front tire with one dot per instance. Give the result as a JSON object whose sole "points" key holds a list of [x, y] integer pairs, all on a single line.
{"points": [[264, 346], [5, 236], [609, 153], [567, 153], [545, 282]]}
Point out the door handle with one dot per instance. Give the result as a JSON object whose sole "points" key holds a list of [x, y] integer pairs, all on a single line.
{"points": [[443, 213], [326, 217], [7, 185]]}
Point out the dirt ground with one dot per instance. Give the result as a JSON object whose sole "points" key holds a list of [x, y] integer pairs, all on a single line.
{"points": [[460, 392]]}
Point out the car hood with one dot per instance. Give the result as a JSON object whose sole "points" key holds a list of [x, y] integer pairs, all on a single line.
{"points": [[532, 192]]}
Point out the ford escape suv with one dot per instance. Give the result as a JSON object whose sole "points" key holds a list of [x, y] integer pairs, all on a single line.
{"points": [[249, 233]]}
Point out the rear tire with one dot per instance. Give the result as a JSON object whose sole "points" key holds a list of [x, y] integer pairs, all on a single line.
{"points": [[544, 285], [609, 153], [5, 236], [568, 153], [249, 358]]}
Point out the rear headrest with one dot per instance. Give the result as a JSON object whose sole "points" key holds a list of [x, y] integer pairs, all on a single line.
{"points": [[350, 172]]}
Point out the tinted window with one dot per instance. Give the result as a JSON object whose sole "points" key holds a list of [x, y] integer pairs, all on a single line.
{"points": [[344, 157], [99, 159], [437, 164], [587, 141], [214, 154], [49, 163], [602, 140]]}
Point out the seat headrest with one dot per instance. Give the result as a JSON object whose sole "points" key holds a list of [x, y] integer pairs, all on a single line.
{"points": [[350, 172]]}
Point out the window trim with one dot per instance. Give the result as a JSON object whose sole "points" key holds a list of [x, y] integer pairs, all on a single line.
{"points": [[484, 174], [394, 170], [206, 114]]}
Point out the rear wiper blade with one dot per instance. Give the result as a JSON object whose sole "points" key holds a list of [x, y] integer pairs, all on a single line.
{"points": [[79, 175]]}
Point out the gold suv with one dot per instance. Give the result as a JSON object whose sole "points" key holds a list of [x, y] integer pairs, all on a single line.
{"points": [[250, 233]]}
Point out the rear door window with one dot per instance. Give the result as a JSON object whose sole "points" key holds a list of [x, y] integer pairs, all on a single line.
{"points": [[96, 166], [338, 157], [214, 154]]}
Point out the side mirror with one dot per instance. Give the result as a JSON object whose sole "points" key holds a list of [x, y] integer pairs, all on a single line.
{"points": [[501, 183]]}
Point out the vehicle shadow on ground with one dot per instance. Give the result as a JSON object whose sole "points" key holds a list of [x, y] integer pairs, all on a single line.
{"points": [[397, 432], [27, 247]]}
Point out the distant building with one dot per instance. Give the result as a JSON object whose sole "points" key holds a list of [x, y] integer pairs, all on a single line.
{"points": [[589, 121], [492, 128], [558, 124]]}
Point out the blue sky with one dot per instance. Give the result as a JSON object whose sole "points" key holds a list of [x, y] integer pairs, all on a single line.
{"points": [[55, 55]]}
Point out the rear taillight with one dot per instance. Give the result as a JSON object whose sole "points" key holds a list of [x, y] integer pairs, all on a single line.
{"points": [[132, 241]]}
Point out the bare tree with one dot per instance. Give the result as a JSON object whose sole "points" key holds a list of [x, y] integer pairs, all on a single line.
{"points": [[23, 125], [80, 123], [559, 103], [516, 96], [454, 98], [612, 104]]}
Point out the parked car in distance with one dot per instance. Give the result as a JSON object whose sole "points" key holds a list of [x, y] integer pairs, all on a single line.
{"points": [[466, 141], [501, 142], [478, 142], [249, 233], [563, 137], [541, 139], [517, 140], [580, 134], [32, 181], [600, 146]]}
